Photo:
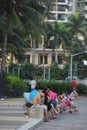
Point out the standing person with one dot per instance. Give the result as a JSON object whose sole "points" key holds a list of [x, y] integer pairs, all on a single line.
{"points": [[74, 84], [74, 87], [32, 83]]}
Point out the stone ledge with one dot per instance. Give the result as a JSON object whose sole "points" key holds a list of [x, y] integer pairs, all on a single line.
{"points": [[36, 113], [31, 125]]}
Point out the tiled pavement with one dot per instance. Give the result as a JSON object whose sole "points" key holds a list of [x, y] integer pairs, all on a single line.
{"points": [[12, 117], [66, 121]]}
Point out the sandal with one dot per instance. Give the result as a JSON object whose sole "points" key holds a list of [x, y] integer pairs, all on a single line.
{"points": [[47, 120], [54, 117]]}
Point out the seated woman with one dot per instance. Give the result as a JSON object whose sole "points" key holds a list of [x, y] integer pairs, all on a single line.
{"points": [[53, 97], [47, 101]]}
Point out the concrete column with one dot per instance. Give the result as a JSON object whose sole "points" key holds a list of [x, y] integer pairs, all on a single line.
{"points": [[36, 59], [49, 58]]}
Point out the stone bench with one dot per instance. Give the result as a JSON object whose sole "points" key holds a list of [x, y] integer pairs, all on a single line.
{"points": [[36, 113]]}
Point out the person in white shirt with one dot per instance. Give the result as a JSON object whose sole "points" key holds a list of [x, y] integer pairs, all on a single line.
{"points": [[32, 83]]}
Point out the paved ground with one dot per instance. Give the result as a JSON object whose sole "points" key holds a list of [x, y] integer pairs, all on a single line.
{"points": [[12, 117], [66, 121]]}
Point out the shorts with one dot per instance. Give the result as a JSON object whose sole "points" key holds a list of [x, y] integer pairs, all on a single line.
{"points": [[54, 103], [41, 106], [29, 104], [49, 107]]}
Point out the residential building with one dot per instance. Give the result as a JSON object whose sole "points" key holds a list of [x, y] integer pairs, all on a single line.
{"points": [[80, 6], [85, 9], [59, 10], [40, 55]]}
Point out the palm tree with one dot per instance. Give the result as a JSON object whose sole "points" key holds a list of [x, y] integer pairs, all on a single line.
{"points": [[24, 15], [59, 33], [76, 27]]}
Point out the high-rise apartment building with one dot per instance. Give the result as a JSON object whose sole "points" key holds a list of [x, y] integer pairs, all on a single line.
{"points": [[85, 9], [80, 6], [60, 9]]}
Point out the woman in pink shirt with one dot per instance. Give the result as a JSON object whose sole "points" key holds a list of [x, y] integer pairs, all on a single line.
{"points": [[53, 96]]}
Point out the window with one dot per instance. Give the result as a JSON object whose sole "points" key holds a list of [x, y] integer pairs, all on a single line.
{"points": [[61, 0], [59, 59], [61, 8], [41, 59], [53, 58], [45, 59], [79, 5], [61, 17], [69, 8], [52, 17], [70, 1]]}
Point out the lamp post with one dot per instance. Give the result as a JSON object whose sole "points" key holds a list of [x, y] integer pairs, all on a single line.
{"points": [[72, 55], [43, 56]]}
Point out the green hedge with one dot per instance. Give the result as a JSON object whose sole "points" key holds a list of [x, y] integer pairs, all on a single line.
{"points": [[15, 87], [82, 89], [59, 87]]}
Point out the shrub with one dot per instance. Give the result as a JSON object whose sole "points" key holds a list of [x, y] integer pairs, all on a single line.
{"points": [[60, 87], [15, 87], [82, 89]]}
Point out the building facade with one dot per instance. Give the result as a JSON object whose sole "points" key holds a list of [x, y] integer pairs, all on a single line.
{"points": [[39, 55], [59, 10], [80, 6], [85, 9]]}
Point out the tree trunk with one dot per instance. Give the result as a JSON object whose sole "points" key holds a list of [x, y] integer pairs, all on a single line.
{"points": [[56, 56], [3, 64], [4, 52], [33, 58]]}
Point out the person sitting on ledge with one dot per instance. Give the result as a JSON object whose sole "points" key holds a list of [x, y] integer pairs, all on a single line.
{"points": [[38, 102]]}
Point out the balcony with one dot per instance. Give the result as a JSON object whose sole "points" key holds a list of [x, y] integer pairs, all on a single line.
{"points": [[62, 1], [85, 16], [85, 8], [61, 8]]}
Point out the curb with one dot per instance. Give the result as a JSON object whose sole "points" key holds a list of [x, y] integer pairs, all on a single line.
{"points": [[31, 125]]}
